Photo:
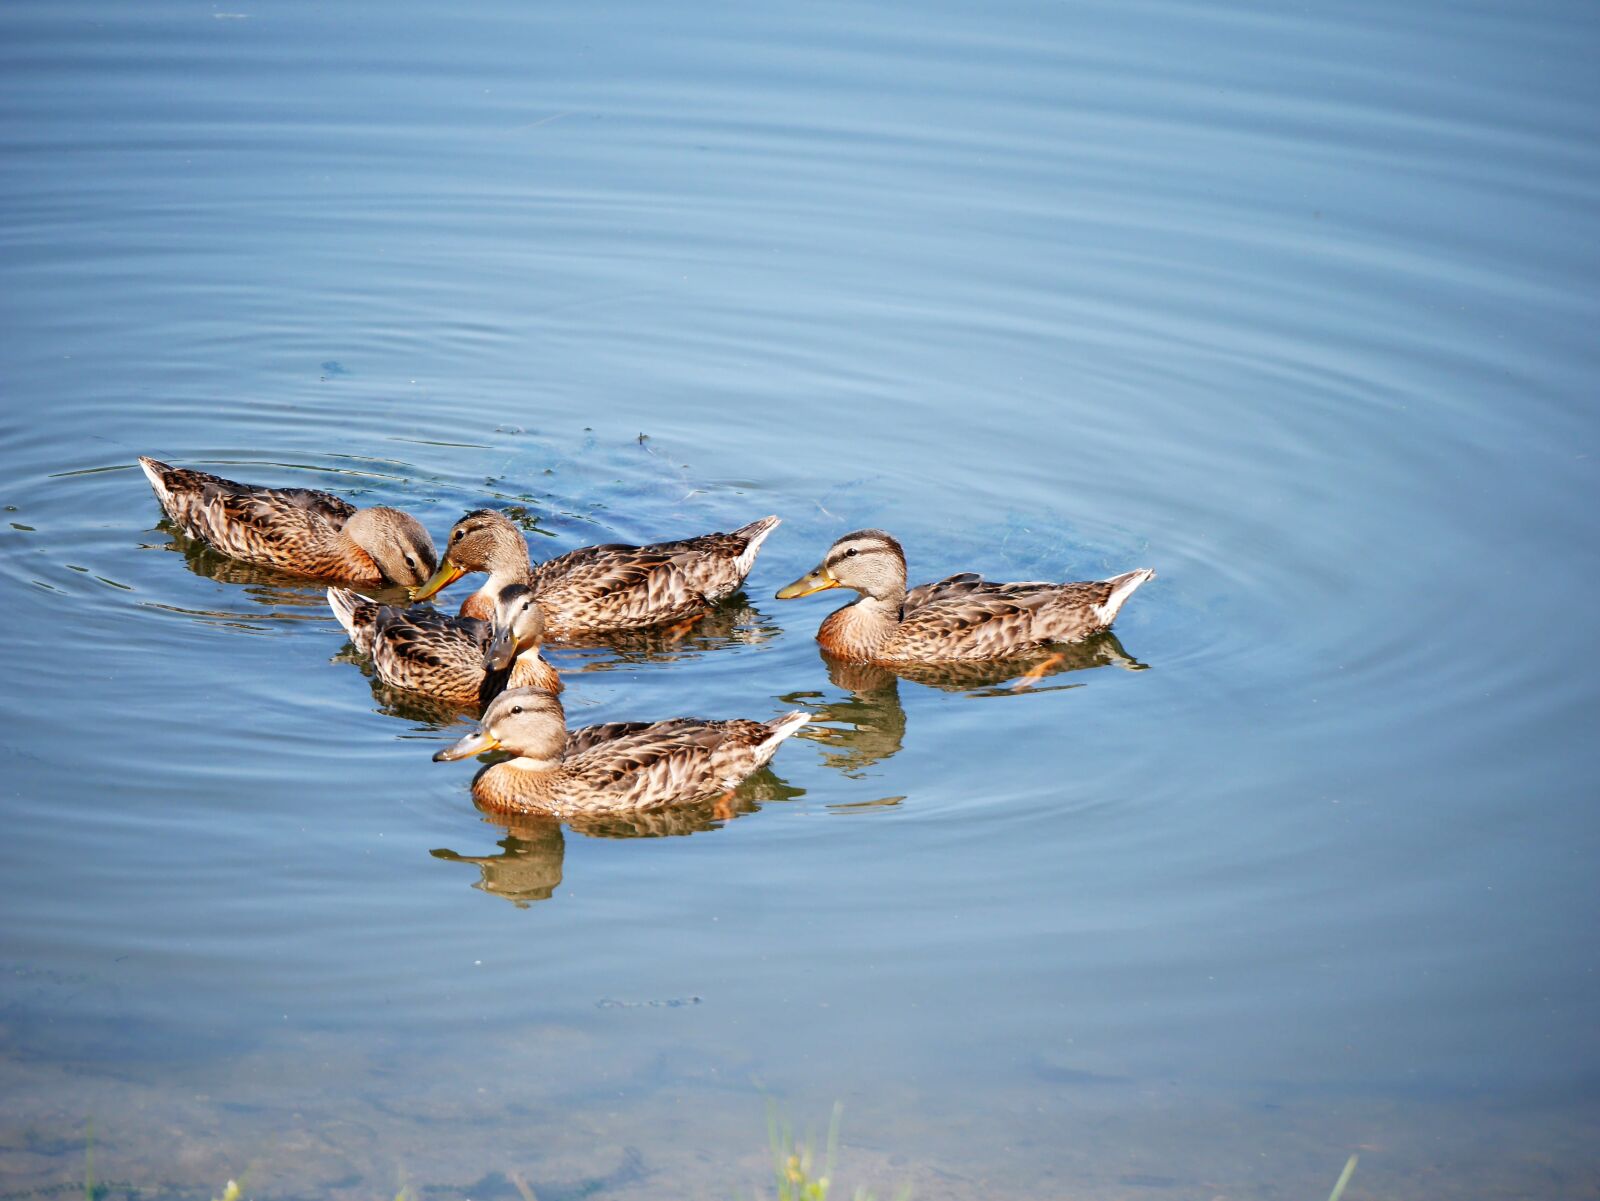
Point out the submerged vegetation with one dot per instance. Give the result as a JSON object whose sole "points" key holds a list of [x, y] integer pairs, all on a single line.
{"points": [[794, 1164], [798, 1173], [1344, 1178]]}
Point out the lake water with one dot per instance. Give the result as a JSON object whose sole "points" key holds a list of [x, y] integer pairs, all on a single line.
{"points": [[1296, 305]]}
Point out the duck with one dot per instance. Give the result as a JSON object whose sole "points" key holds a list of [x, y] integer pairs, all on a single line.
{"points": [[461, 660], [620, 767], [599, 588], [299, 530], [961, 617]]}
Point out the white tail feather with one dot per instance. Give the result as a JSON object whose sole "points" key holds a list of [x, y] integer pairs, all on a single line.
{"points": [[1122, 587], [152, 471], [781, 728], [756, 532], [344, 603]]}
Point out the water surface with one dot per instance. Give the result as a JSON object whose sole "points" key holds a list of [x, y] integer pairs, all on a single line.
{"points": [[1295, 307]]}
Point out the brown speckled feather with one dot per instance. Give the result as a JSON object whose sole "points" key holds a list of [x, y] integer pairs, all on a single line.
{"points": [[293, 529], [433, 653], [634, 767], [442, 656], [619, 587], [187, 489], [978, 620], [959, 618], [587, 738], [264, 527], [596, 589], [946, 589]]}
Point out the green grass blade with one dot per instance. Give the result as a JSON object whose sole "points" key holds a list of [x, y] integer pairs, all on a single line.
{"points": [[1344, 1178]]}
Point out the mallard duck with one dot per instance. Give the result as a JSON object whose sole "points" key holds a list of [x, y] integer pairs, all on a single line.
{"points": [[301, 530], [457, 659], [596, 588], [622, 767], [960, 617]]}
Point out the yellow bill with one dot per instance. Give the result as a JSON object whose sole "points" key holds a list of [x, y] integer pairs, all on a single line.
{"points": [[817, 581], [447, 574], [474, 743]]}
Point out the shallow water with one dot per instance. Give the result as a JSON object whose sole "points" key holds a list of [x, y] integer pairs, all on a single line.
{"points": [[1295, 307]]}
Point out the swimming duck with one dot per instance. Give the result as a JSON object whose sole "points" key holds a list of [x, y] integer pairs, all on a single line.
{"points": [[596, 588], [302, 530], [458, 659], [960, 617], [621, 767]]}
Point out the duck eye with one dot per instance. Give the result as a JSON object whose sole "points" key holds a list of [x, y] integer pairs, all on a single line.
{"points": [[456, 537], [410, 562], [516, 708], [850, 552]]}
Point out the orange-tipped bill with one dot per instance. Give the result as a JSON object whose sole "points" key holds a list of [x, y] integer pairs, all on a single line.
{"points": [[447, 574], [817, 581], [475, 743]]}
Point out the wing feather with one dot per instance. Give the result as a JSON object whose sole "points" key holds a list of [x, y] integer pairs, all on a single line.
{"points": [[290, 528], [431, 652], [968, 618], [666, 761], [615, 586]]}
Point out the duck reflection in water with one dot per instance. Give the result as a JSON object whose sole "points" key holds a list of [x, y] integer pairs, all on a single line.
{"points": [[529, 867], [270, 587], [869, 726], [730, 623]]}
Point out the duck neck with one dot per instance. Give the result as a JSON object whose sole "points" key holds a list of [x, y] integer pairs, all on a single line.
{"points": [[480, 604], [520, 783], [530, 765], [860, 628], [529, 670], [509, 569], [349, 539], [509, 560]]}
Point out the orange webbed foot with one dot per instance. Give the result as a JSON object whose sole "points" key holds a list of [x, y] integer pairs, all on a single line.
{"points": [[1037, 672], [677, 631]]}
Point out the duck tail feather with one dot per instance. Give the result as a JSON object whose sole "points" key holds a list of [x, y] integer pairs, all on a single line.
{"points": [[155, 471], [346, 606], [783, 727], [1122, 587], [754, 535]]}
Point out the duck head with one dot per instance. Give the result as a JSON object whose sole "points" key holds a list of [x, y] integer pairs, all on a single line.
{"points": [[870, 562], [518, 626], [397, 542], [528, 722], [483, 540]]}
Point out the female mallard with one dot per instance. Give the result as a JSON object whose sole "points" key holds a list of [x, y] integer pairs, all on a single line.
{"points": [[597, 588], [623, 767], [457, 659], [301, 530], [962, 617]]}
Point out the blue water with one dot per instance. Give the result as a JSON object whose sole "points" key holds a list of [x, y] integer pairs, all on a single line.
{"points": [[1296, 307]]}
